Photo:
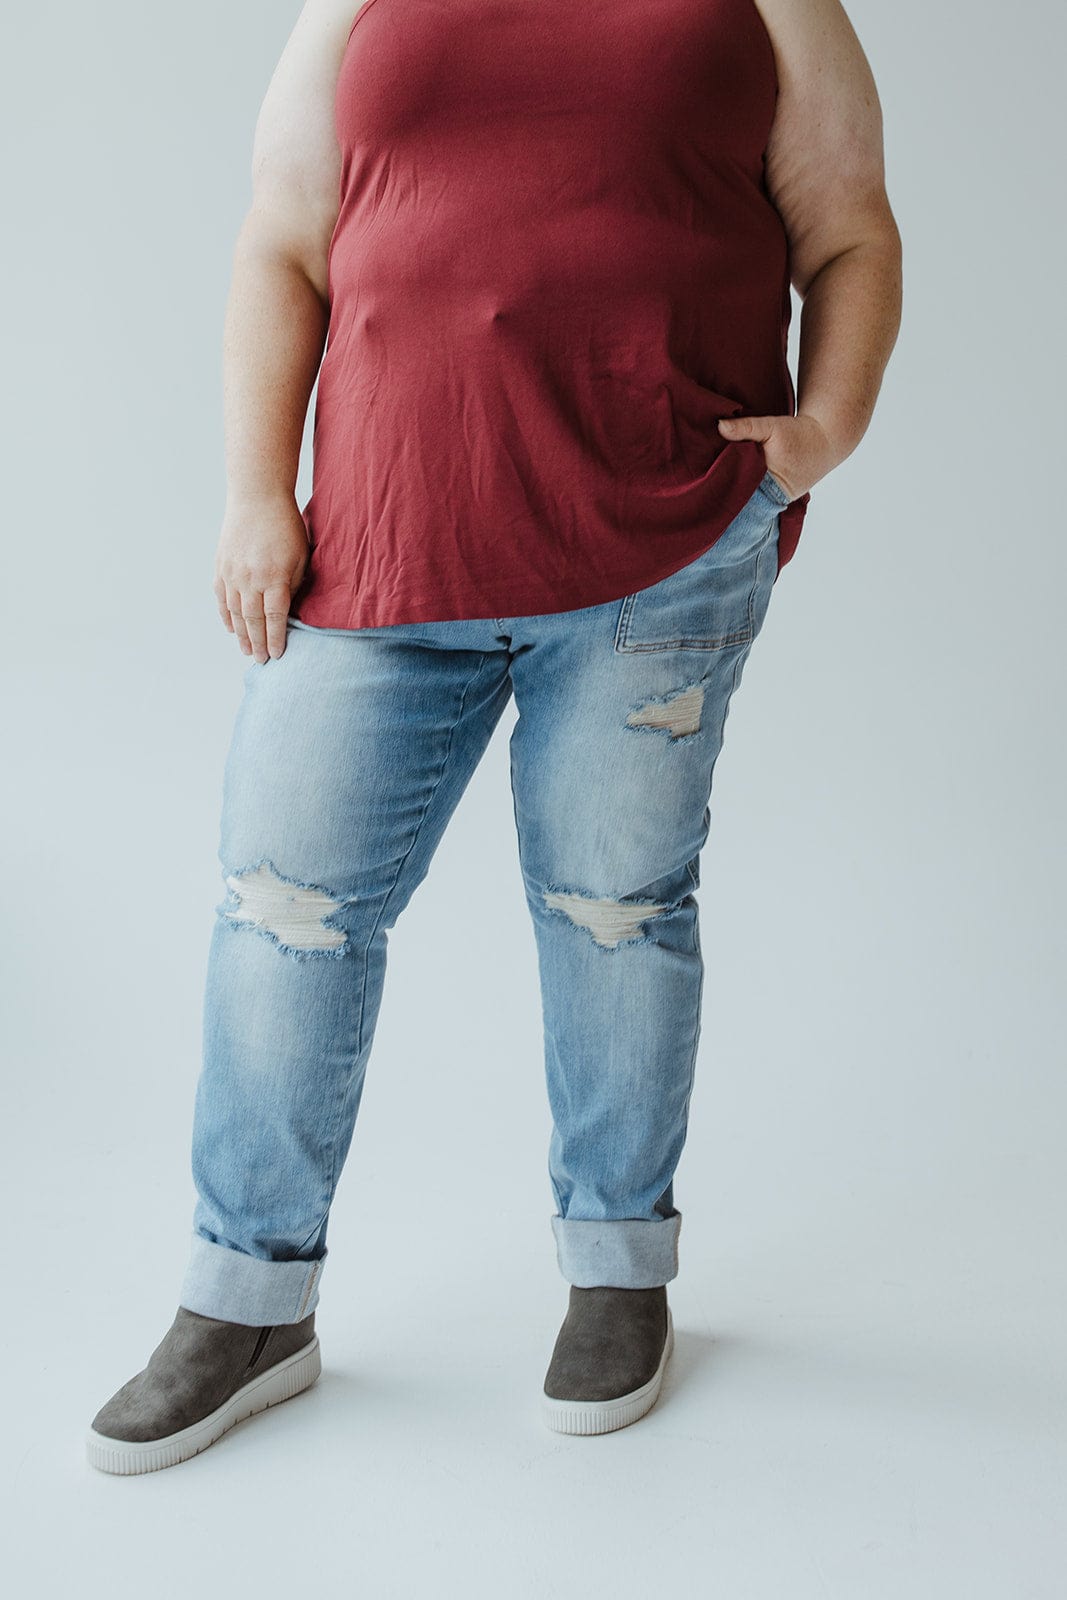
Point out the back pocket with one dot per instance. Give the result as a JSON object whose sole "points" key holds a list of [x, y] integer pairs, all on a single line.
{"points": [[710, 604]]}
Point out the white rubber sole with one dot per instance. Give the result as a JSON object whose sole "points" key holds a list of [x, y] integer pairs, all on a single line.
{"points": [[298, 1371], [603, 1416]]}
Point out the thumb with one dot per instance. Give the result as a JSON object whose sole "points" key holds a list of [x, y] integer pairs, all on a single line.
{"points": [[746, 427]]}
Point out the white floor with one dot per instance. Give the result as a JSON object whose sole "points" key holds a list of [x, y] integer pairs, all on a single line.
{"points": [[823, 1432]]}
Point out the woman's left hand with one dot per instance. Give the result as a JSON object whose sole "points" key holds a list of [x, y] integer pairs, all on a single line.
{"points": [[797, 449]]}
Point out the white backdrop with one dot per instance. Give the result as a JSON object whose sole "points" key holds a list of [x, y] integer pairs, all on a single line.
{"points": [[867, 1396]]}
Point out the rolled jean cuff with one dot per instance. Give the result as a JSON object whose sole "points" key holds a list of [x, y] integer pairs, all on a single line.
{"points": [[235, 1287], [627, 1254]]}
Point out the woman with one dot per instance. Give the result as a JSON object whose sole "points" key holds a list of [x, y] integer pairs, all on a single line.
{"points": [[547, 251]]}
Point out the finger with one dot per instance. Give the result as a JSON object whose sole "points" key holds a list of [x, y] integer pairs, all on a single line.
{"points": [[219, 589], [276, 609], [233, 602], [255, 624]]}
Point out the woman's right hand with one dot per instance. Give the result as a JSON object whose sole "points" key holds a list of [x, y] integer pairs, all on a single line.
{"points": [[262, 555]]}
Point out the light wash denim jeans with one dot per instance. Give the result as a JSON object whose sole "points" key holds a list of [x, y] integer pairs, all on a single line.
{"points": [[349, 754]]}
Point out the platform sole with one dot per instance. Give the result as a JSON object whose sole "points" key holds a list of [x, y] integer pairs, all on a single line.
{"points": [[604, 1416], [298, 1371]]}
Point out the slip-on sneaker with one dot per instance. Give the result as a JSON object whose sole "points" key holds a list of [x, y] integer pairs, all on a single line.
{"points": [[204, 1376], [609, 1359]]}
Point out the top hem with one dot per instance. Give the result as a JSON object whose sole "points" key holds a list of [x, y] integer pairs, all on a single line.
{"points": [[352, 613]]}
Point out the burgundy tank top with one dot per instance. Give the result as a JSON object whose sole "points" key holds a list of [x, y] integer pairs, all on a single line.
{"points": [[554, 267]]}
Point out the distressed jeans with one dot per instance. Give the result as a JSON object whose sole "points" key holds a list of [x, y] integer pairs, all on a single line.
{"points": [[349, 754]]}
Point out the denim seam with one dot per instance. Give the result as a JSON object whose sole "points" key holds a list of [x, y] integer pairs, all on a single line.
{"points": [[307, 1292], [773, 490], [339, 1118], [697, 1022]]}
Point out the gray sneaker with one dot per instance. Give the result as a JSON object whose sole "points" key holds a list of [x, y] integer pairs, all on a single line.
{"points": [[203, 1377], [609, 1359]]}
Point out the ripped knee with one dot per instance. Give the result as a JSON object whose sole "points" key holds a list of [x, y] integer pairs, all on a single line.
{"points": [[298, 917], [610, 922]]}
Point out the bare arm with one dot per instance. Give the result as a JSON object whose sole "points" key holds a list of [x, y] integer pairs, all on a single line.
{"points": [[277, 316], [825, 172]]}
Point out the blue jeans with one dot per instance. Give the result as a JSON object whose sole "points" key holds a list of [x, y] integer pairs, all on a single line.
{"points": [[349, 754]]}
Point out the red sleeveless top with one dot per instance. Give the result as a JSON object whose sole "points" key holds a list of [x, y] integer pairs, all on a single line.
{"points": [[554, 267]]}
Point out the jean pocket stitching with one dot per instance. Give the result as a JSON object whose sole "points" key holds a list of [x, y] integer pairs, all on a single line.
{"points": [[625, 644]]}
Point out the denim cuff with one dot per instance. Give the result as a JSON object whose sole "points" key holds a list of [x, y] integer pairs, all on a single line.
{"points": [[235, 1287], [627, 1254]]}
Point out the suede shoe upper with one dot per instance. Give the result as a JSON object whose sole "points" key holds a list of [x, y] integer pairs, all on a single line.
{"points": [[197, 1366], [610, 1344]]}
